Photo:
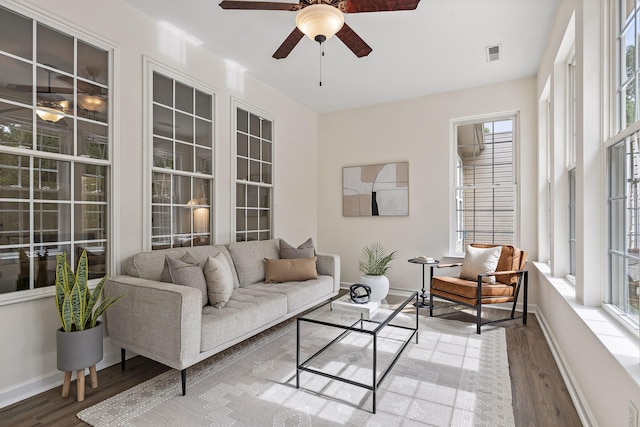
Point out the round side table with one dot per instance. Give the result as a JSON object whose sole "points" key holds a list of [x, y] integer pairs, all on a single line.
{"points": [[423, 294]]}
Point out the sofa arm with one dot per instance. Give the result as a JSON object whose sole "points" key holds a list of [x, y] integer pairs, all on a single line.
{"points": [[158, 320], [329, 265]]}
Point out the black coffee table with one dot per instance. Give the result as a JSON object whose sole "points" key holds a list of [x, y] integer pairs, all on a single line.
{"points": [[380, 326]]}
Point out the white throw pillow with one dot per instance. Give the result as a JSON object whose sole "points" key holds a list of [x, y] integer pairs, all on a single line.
{"points": [[218, 276], [480, 261]]}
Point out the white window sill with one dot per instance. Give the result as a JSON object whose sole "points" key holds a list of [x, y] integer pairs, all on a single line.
{"points": [[622, 341], [34, 294]]}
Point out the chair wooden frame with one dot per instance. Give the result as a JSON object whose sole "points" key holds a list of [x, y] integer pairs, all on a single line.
{"points": [[479, 300]]}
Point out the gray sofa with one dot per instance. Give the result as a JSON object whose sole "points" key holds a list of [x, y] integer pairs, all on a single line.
{"points": [[167, 322]]}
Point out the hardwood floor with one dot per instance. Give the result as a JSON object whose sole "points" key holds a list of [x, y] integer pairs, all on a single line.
{"points": [[540, 397]]}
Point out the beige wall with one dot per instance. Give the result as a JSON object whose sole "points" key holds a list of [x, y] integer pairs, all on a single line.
{"points": [[27, 362], [418, 131]]}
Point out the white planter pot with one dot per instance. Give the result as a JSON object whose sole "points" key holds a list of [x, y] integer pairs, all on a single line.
{"points": [[379, 286]]}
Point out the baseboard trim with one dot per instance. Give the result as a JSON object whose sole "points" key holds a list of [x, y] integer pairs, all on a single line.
{"points": [[577, 397], [16, 393]]}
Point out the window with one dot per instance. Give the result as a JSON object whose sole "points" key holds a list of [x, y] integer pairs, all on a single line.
{"points": [[548, 147], [571, 111], [254, 177], [572, 221], [571, 170], [623, 165], [182, 168], [627, 48], [55, 144], [485, 190]]}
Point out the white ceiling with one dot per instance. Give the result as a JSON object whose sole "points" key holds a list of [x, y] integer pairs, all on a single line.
{"points": [[438, 47]]}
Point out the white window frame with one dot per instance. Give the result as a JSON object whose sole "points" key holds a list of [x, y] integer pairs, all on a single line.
{"points": [[235, 104], [150, 66], [621, 82], [113, 123], [571, 211], [571, 141], [454, 123], [614, 275]]}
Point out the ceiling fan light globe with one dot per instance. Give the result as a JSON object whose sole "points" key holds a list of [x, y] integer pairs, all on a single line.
{"points": [[319, 20], [92, 103], [49, 114]]}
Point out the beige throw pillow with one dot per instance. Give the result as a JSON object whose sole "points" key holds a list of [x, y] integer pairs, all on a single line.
{"points": [[480, 261], [305, 250], [186, 274], [287, 270], [218, 276]]}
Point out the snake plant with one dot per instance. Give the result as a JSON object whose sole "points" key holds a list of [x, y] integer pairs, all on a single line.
{"points": [[374, 259], [75, 302]]}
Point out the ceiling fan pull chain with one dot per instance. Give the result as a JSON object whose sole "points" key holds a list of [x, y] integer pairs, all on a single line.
{"points": [[321, 55]]}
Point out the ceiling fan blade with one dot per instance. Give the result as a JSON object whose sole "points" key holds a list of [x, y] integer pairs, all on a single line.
{"points": [[288, 44], [54, 89], [39, 89], [258, 5], [357, 6], [353, 41], [20, 88], [8, 110], [83, 87]]}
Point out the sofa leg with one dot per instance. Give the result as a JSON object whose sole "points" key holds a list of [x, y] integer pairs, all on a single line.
{"points": [[123, 353], [183, 376]]}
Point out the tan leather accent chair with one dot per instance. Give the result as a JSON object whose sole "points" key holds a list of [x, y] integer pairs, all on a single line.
{"points": [[510, 277]]}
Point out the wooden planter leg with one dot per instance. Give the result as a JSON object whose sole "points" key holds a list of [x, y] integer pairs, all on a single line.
{"points": [[93, 376], [80, 385], [66, 384]]}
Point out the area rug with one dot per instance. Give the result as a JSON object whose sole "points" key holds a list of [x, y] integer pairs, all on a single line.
{"points": [[452, 377]]}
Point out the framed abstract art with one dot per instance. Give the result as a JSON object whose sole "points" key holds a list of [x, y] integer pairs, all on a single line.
{"points": [[376, 190]]}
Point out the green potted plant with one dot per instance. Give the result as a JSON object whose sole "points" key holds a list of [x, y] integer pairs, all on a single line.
{"points": [[79, 339], [374, 263]]}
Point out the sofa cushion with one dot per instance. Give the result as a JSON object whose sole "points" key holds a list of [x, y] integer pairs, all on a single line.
{"points": [[165, 276], [149, 265], [217, 274], [248, 259], [480, 261], [299, 294], [286, 270], [201, 253], [186, 274], [246, 311], [469, 288], [305, 250]]}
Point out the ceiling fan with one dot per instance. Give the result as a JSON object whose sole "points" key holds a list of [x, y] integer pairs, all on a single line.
{"points": [[90, 96], [349, 37]]}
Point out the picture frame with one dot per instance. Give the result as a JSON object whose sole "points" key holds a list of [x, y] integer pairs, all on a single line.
{"points": [[376, 190]]}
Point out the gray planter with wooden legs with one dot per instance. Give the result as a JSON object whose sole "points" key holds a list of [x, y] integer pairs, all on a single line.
{"points": [[77, 351]]}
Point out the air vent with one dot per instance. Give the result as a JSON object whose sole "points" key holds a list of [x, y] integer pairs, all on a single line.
{"points": [[493, 53]]}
